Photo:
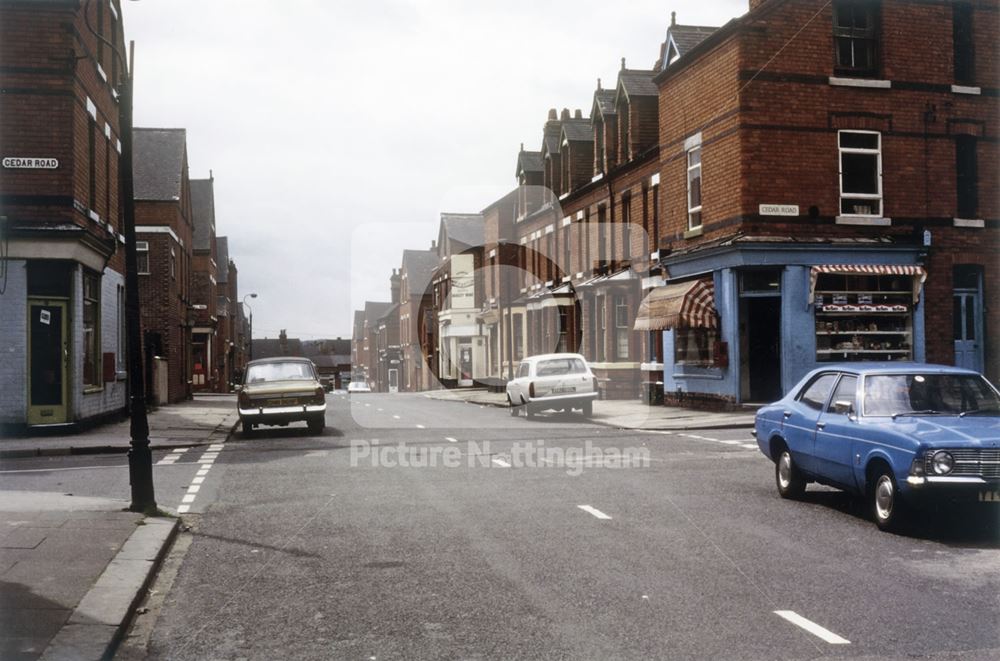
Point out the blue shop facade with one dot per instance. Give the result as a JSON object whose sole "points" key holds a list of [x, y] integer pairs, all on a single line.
{"points": [[782, 307]]}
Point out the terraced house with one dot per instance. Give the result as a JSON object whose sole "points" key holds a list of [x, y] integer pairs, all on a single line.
{"points": [[813, 181], [62, 266]]}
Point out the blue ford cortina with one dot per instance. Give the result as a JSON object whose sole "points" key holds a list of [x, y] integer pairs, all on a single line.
{"points": [[899, 434]]}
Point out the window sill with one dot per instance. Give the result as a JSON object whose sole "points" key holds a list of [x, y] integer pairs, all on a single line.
{"points": [[697, 371], [974, 223], [875, 221], [870, 83], [966, 89], [90, 390], [695, 232]]}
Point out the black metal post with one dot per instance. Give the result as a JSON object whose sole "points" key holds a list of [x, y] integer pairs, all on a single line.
{"points": [[140, 458], [251, 333]]}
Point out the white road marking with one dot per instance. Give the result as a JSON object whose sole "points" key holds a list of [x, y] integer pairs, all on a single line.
{"points": [[58, 470], [379, 410], [501, 462], [179, 451], [181, 509], [596, 512], [450, 439], [198, 479], [188, 498], [194, 488], [812, 628], [421, 427], [748, 446], [395, 417], [207, 462]]}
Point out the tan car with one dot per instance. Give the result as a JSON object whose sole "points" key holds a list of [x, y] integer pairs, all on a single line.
{"points": [[277, 391]]}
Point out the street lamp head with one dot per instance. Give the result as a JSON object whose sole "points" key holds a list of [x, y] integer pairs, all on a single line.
{"points": [[254, 295]]}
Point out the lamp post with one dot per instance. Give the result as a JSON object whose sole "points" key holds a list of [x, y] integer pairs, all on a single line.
{"points": [[140, 457], [249, 307]]}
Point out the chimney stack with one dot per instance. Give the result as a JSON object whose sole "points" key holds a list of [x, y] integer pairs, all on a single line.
{"points": [[564, 115], [394, 286], [552, 114], [578, 114]]}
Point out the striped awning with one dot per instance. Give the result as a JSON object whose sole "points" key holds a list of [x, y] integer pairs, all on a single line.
{"points": [[917, 272], [683, 305]]}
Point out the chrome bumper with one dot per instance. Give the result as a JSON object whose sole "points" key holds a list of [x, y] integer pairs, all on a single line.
{"points": [[282, 410]]}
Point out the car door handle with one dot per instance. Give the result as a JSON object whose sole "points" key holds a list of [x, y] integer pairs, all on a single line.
{"points": [[820, 425], [787, 414]]}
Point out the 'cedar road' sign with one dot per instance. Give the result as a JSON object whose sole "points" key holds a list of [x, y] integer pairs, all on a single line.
{"points": [[779, 209], [27, 162]]}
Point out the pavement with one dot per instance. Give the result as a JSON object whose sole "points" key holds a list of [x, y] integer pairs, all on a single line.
{"points": [[73, 568], [203, 420], [623, 414]]}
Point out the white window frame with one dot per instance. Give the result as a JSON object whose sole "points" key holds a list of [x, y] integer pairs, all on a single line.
{"points": [[691, 169], [875, 197], [141, 247]]}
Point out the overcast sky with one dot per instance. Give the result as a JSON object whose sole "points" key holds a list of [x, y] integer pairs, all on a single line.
{"points": [[338, 131]]}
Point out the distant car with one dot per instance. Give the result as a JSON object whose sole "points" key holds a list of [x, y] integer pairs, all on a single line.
{"points": [[900, 434], [277, 391], [358, 386], [327, 382], [561, 381]]}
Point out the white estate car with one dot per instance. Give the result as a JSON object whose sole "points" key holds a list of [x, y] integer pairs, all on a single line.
{"points": [[560, 381]]}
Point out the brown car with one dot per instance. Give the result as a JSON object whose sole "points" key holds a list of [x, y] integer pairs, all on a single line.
{"points": [[277, 391]]}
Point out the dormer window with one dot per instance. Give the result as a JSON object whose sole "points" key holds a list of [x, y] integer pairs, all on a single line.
{"points": [[855, 37]]}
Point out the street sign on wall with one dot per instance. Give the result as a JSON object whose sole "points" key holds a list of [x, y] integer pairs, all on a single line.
{"points": [[779, 209], [29, 163]]}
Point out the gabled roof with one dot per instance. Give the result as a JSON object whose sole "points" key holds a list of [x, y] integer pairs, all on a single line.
{"points": [[391, 310], [529, 161], [374, 310], [419, 266], [680, 39], [636, 83], [578, 130], [158, 163], [203, 210], [604, 103], [465, 228], [222, 257]]}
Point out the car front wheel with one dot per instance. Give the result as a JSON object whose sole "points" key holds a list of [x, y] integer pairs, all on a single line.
{"points": [[513, 409], [887, 507], [790, 482]]}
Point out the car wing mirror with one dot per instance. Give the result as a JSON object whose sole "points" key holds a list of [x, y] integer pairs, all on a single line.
{"points": [[237, 387], [844, 407]]}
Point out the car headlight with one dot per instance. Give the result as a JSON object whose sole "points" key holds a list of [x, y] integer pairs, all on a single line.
{"points": [[942, 463]]}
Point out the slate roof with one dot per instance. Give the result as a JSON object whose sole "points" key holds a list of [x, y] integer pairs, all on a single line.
{"points": [[203, 210], [222, 259], [375, 310], [604, 101], [637, 82], [266, 348], [687, 37], [529, 161], [419, 266], [578, 130], [550, 136], [158, 163], [467, 229], [391, 310]]}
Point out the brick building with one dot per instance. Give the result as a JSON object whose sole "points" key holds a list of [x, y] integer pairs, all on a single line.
{"points": [[830, 195], [62, 283], [231, 339], [204, 281], [164, 231], [415, 298]]}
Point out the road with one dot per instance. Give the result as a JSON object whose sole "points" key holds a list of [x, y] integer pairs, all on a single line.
{"points": [[685, 552]]}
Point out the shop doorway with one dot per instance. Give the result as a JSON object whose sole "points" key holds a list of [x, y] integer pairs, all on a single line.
{"points": [[393, 380], [465, 365], [967, 318], [761, 331], [48, 353]]}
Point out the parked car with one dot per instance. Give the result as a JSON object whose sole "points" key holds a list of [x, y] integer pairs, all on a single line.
{"points": [[900, 434], [560, 381], [276, 391], [358, 387]]}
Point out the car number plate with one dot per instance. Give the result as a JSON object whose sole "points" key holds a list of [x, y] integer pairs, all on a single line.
{"points": [[989, 496], [564, 389], [277, 402]]}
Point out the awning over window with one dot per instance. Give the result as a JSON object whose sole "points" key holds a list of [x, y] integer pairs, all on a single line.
{"points": [[917, 272], [684, 305]]}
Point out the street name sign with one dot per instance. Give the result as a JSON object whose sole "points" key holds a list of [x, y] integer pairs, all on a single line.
{"points": [[30, 163]]}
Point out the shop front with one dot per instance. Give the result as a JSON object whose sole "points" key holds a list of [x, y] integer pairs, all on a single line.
{"points": [[782, 310]]}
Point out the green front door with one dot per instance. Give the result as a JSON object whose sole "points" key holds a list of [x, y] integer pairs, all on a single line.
{"points": [[48, 357]]}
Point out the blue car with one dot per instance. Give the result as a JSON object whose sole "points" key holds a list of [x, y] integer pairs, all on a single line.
{"points": [[899, 434]]}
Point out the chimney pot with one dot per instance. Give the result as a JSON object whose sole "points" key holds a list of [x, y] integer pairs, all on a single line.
{"points": [[673, 17], [578, 114], [623, 64], [552, 114], [564, 114], [598, 83]]}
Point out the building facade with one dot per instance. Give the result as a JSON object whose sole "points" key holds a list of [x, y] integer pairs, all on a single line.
{"points": [[62, 278]]}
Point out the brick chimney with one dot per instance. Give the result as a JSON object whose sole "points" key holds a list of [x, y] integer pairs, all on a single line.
{"points": [[394, 286]]}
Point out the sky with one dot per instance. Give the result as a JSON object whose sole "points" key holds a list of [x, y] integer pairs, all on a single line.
{"points": [[337, 132]]}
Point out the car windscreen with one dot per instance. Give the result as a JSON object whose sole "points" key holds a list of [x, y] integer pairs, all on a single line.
{"points": [[290, 371], [948, 394], [560, 366]]}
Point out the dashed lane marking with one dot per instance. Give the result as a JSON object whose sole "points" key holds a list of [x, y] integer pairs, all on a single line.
{"points": [[421, 427], [812, 628], [593, 510], [395, 417], [450, 439], [502, 463], [697, 437], [206, 460]]}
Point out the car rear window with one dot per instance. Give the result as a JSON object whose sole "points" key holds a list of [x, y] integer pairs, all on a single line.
{"points": [[560, 366], [290, 371]]}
